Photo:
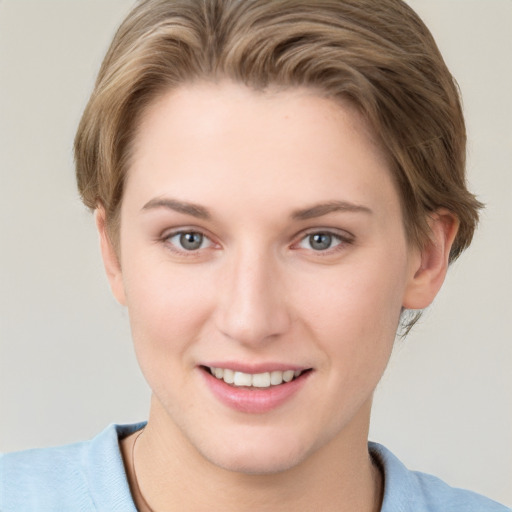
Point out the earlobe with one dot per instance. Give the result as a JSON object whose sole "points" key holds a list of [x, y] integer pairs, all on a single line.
{"points": [[430, 264], [110, 257]]}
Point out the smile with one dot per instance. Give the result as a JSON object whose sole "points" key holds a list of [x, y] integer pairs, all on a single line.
{"points": [[255, 392], [256, 380]]}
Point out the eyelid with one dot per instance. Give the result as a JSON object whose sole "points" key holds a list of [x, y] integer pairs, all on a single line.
{"points": [[345, 238], [170, 233]]}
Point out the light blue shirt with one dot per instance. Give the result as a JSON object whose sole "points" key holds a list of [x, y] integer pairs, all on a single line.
{"points": [[90, 476]]}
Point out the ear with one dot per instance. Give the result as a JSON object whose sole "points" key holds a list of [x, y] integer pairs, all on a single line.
{"points": [[430, 264], [110, 257]]}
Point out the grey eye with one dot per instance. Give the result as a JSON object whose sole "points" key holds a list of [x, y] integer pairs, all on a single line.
{"points": [[191, 241], [188, 241], [320, 241]]}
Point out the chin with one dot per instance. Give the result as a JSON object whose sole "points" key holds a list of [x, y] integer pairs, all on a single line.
{"points": [[266, 457], [251, 463]]}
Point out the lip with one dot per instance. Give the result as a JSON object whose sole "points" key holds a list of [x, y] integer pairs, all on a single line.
{"points": [[253, 368], [254, 400]]}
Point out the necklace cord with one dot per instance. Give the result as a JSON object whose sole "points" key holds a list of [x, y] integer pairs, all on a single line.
{"points": [[374, 460], [135, 479]]}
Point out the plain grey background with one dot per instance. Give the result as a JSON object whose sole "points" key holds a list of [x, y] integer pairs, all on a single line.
{"points": [[67, 368]]}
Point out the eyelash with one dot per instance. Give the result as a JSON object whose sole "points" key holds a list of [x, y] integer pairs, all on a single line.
{"points": [[167, 239], [342, 241]]}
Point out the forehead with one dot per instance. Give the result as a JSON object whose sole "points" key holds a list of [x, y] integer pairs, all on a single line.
{"points": [[225, 143], [213, 109]]}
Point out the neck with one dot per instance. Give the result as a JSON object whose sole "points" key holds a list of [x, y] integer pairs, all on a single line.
{"points": [[172, 475]]}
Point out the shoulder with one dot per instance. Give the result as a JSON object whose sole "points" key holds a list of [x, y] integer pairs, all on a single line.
{"points": [[33, 477], [78, 477], [413, 491]]}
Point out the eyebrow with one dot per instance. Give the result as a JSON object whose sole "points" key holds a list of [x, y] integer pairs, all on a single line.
{"points": [[178, 206], [324, 208], [201, 212]]}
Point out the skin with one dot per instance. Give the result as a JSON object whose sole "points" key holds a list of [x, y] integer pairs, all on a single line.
{"points": [[257, 291]]}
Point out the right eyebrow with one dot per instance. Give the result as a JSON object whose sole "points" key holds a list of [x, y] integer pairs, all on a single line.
{"points": [[192, 209], [322, 209]]}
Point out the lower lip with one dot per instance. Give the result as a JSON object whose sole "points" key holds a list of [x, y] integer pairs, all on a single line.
{"points": [[254, 400]]}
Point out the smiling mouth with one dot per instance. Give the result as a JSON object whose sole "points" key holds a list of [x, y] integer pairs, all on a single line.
{"points": [[254, 380]]}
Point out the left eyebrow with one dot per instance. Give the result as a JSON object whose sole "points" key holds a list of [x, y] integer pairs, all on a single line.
{"points": [[192, 209], [318, 210]]}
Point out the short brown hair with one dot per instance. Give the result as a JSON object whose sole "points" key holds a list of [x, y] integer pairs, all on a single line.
{"points": [[377, 54]]}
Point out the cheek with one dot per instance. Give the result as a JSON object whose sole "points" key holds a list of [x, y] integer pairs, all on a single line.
{"points": [[168, 306], [358, 298], [353, 314]]}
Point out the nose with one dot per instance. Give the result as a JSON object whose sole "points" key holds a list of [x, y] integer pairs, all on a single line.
{"points": [[252, 306]]}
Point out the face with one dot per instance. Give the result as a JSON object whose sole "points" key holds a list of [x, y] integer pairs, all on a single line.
{"points": [[261, 240]]}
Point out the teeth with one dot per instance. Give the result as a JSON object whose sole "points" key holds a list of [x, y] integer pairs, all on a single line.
{"points": [[276, 378], [242, 379], [257, 380], [229, 376], [288, 375], [261, 380]]}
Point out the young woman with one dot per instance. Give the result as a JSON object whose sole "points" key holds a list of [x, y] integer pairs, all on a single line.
{"points": [[276, 186]]}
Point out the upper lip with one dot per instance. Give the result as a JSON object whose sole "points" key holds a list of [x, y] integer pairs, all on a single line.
{"points": [[254, 368]]}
